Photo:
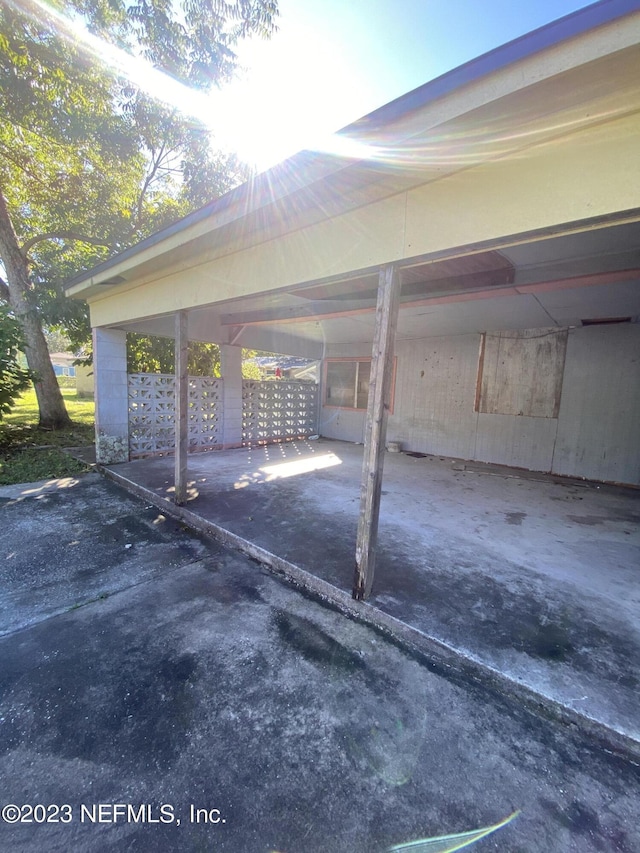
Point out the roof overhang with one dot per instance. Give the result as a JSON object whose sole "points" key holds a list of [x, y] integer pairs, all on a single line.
{"points": [[575, 73]]}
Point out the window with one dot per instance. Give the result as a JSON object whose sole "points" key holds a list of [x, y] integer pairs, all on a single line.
{"points": [[347, 383], [520, 373]]}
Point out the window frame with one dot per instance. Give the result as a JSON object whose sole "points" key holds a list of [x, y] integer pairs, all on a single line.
{"points": [[361, 360]]}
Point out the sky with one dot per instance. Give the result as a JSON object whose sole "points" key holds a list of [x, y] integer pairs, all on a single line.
{"points": [[333, 61]]}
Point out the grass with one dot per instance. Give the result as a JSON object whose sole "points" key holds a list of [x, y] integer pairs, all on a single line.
{"points": [[28, 453]]}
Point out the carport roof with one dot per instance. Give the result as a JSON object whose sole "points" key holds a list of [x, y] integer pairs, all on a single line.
{"points": [[365, 182]]}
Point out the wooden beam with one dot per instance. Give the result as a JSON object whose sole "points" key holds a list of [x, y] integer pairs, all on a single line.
{"points": [[182, 405], [376, 428]]}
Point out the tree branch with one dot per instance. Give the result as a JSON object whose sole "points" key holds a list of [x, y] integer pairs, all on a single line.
{"points": [[156, 161], [64, 235], [4, 290]]}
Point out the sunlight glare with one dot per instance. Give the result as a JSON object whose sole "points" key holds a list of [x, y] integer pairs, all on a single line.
{"points": [[136, 69], [346, 146], [282, 470], [300, 466]]}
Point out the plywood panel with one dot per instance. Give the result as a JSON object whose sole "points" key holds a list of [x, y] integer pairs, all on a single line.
{"points": [[521, 372], [434, 409]]}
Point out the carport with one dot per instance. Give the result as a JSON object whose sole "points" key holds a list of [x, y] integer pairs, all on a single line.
{"points": [[468, 273]]}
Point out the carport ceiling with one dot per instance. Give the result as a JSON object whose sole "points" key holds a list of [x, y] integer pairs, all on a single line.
{"points": [[591, 275], [558, 281]]}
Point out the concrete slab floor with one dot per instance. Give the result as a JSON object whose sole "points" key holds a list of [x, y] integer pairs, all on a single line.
{"points": [[208, 683], [533, 576]]}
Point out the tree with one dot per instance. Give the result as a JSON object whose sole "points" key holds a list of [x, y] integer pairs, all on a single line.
{"points": [[90, 165], [152, 354], [56, 340], [13, 378]]}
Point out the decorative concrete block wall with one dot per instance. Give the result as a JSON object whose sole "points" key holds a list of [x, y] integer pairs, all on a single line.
{"points": [[152, 407], [278, 411], [253, 412]]}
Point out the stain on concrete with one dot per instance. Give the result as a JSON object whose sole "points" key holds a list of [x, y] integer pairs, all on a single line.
{"points": [[589, 520], [549, 641], [315, 644], [581, 820], [452, 591], [593, 520], [105, 540], [515, 518], [450, 564], [230, 590], [526, 616]]}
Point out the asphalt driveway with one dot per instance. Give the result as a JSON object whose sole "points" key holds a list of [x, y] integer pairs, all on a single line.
{"points": [[159, 692]]}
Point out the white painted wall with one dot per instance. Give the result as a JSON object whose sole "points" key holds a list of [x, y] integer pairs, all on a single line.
{"points": [[596, 435], [434, 396], [599, 422], [344, 424], [516, 441]]}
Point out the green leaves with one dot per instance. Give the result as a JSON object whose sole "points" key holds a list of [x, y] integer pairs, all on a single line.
{"points": [[192, 40], [79, 145], [151, 354], [89, 164], [13, 378]]}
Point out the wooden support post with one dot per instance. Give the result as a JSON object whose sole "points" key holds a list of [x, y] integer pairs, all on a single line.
{"points": [[182, 407], [376, 428]]}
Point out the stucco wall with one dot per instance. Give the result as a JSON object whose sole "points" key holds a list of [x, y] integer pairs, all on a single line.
{"points": [[596, 434]]}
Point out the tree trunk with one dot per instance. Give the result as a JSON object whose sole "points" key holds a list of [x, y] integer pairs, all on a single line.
{"points": [[53, 414]]}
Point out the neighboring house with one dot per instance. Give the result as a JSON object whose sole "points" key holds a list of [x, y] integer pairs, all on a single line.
{"points": [[84, 381], [286, 367], [502, 198], [63, 363]]}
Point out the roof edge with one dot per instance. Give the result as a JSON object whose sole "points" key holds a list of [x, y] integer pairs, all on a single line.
{"points": [[544, 37]]}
